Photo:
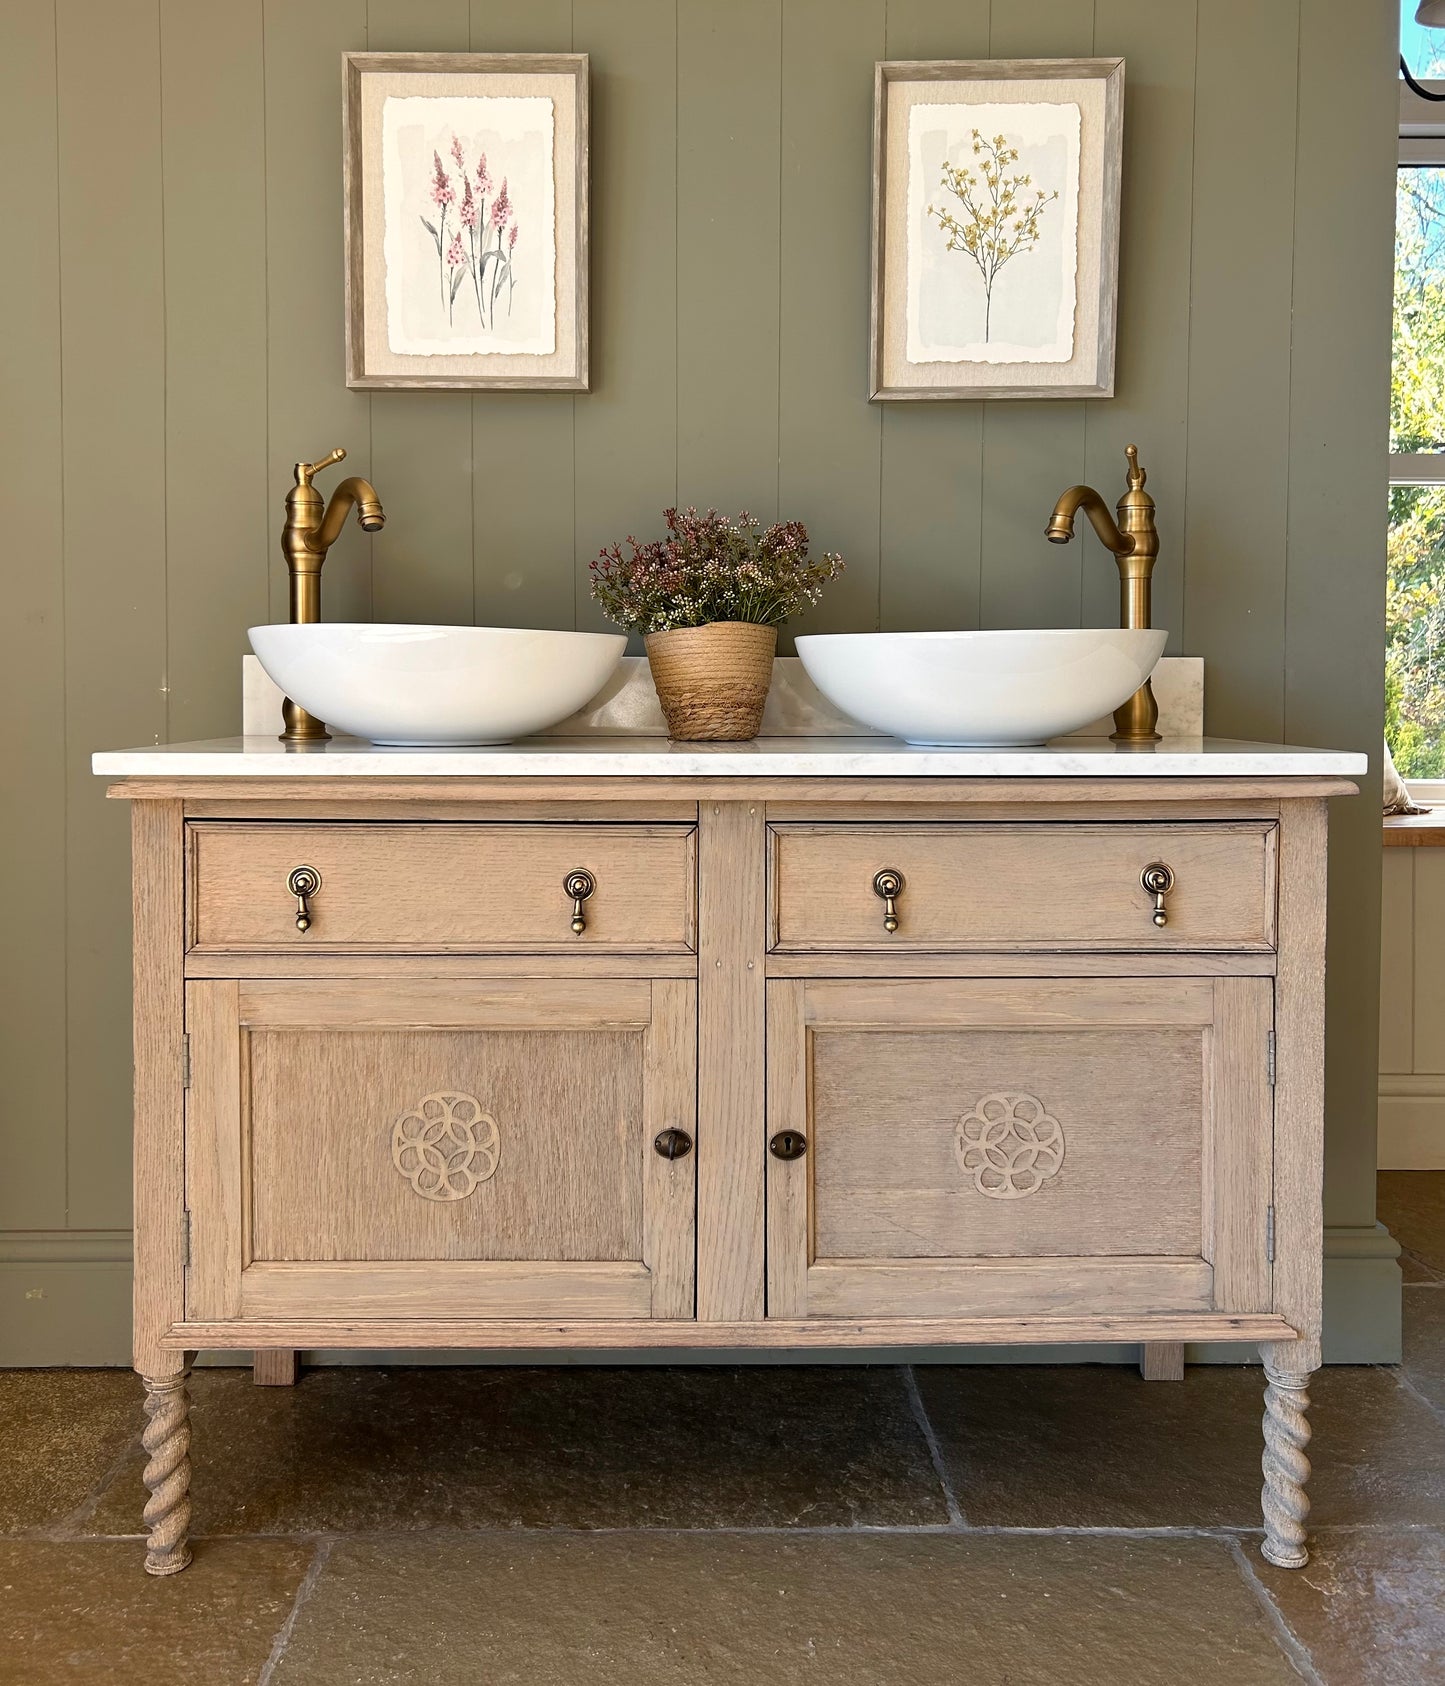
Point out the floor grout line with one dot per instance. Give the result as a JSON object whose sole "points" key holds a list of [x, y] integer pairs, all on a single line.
{"points": [[1405, 1382], [303, 1592], [1285, 1637], [935, 1451], [69, 1526], [1224, 1532]]}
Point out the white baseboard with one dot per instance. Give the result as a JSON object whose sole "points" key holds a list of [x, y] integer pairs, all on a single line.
{"points": [[1412, 1123]]}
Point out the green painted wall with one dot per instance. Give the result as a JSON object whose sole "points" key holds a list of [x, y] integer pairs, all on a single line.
{"points": [[170, 342]]}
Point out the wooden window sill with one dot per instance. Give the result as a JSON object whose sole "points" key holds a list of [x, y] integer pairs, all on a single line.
{"points": [[1415, 830]]}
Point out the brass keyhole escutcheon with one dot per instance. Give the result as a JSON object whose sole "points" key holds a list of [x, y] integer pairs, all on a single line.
{"points": [[303, 883], [673, 1144], [788, 1144], [1158, 881], [888, 886], [579, 884]]}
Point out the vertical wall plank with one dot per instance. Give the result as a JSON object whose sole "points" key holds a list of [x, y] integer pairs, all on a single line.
{"points": [[32, 630], [626, 429], [829, 434], [1151, 392], [728, 109], [113, 393], [1335, 580], [932, 453], [1239, 364], [1397, 961], [1033, 449], [421, 442], [218, 548], [309, 407], [523, 569], [1428, 1050]]}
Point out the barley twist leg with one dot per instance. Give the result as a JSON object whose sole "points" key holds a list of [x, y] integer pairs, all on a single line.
{"points": [[1286, 1468], [167, 1442]]}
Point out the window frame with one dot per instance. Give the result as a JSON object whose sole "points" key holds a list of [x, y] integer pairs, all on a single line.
{"points": [[1422, 143]]}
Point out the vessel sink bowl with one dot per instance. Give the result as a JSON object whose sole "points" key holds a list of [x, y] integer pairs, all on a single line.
{"points": [[418, 686], [980, 690]]}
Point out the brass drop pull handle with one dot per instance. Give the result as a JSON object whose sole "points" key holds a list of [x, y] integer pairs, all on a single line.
{"points": [[788, 1144], [579, 885], [303, 883], [888, 885], [673, 1144], [1158, 881]]}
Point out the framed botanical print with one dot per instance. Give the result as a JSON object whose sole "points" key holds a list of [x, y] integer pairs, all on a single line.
{"points": [[466, 220], [996, 228]]}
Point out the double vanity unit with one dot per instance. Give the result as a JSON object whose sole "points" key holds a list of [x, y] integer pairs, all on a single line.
{"points": [[817, 1044]]}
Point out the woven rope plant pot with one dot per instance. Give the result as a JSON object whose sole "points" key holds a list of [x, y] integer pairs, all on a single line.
{"points": [[712, 681]]}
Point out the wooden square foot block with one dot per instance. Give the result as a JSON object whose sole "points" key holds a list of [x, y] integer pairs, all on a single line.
{"points": [[274, 1367], [1162, 1361]]}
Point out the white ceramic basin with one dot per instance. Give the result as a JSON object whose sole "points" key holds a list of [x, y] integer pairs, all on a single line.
{"points": [[434, 685], [980, 689]]}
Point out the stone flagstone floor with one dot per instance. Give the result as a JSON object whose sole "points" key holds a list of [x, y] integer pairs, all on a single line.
{"points": [[863, 1526]]}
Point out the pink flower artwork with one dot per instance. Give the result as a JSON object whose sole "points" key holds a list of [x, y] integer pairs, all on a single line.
{"points": [[502, 209], [442, 191], [474, 233]]}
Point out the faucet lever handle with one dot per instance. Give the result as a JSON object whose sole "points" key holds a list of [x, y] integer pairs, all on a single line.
{"points": [[1137, 476], [305, 470]]}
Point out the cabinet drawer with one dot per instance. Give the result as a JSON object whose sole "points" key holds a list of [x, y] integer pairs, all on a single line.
{"points": [[1029, 886], [437, 887]]}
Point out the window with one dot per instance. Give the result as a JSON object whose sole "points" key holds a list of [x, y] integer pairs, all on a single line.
{"points": [[1415, 577]]}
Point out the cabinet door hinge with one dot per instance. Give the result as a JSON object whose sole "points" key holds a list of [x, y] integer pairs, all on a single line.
{"points": [[1269, 1058], [1269, 1233], [186, 1060], [187, 1242]]}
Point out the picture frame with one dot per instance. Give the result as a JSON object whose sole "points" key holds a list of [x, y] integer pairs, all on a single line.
{"points": [[995, 228], [465, 183]]}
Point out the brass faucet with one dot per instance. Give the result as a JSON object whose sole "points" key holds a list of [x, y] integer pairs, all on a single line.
{"points": [[1134, 541], [305, 540]]}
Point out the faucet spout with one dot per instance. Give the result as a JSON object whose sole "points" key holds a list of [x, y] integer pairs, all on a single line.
{"points": [[352, 491], [1061, 523]]}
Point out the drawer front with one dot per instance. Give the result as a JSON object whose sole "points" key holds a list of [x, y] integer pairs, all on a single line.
{"points": [[1031, 886], [435, 887]]}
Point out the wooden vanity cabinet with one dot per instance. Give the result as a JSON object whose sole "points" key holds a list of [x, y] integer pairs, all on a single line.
{"points": [[735, 1096]]}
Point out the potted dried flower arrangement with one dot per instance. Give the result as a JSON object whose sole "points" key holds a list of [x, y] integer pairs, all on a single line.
{"points": [[709, 599]]}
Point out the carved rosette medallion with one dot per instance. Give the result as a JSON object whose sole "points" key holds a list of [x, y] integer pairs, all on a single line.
{"points": [[445, 1146], [1010, 1145]]}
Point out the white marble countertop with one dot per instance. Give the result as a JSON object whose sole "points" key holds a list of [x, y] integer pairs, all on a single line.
{"points": [[833, 757]]}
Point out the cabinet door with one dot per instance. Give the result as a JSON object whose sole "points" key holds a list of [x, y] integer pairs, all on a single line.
{"points": [[1019, 1147], [436, 1150]]}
